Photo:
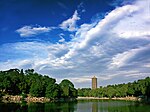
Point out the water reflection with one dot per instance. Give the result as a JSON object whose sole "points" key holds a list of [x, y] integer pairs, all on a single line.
{"points": [[38, 107], [80, 106], [111, 106], [95, 107]]}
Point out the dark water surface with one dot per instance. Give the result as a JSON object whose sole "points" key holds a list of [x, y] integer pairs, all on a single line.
{"points": [[79, 106]]}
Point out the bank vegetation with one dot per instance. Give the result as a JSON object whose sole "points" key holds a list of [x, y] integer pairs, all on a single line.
{"points": [[136, 90], [28, 85]]}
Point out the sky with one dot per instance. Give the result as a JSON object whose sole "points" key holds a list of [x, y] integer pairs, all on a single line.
{"points": [[77, 39]]}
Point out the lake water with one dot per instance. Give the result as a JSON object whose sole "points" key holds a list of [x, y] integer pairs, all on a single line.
{"points": [[79, 106]]}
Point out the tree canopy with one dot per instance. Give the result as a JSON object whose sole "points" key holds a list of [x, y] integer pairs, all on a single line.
{"points": [[16, 82], [136, 88]]}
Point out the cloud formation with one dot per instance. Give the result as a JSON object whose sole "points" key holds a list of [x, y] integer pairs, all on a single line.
{"points": [[115, 49], [70, 24], [61, 37], [127, 57], [135, 25], [67, 25], [30, 31]]}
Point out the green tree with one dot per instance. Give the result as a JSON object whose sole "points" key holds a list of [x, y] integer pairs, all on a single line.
{"points": [[53, 91], [100, 91], [131, 90], [68, 88], [67, 83], [36, 89], [121, 90], [84, 92], [6, 84], [111, 92], [147, 93]]}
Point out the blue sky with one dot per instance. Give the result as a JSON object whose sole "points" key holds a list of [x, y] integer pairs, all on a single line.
{"points": [[77, 39]]}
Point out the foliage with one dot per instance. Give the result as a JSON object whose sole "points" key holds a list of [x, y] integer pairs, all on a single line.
{"points": [[68, 89], [137, 88], [53, 91], [36, 89], [16, 82]]}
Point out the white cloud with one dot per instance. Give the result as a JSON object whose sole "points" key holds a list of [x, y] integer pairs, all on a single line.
{"points": [[90, 32], [134, 34], [70, 24], [10, 64], [106, 24], [147, 65], [105, 48], [121, 59], [62, 38], [136, 25], [125, 58], [81, 79], [30, 31]]}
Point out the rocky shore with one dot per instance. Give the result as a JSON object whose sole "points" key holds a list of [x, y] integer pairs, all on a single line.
{"points": [[19, 99]]}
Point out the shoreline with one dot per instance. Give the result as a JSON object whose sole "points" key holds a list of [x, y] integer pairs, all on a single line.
{"points": [[19, 99], [106, 98]]}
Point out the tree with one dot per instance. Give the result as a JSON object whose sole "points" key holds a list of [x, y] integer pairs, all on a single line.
{"points": [[68, 89], [6, 84], [147, 93], [15, 82], [84, 92], [74, 92], [66, 82], [121, 90], [36, 89], [53, 91], [131, 90], [111, 92]]}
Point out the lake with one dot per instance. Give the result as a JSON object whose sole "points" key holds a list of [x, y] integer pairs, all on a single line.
{"points": [[78, 106]]}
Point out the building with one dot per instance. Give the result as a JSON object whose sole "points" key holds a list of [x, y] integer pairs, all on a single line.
{"points": [[94, 82]]}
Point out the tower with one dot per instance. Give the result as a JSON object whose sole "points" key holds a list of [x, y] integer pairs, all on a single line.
{"points": [[94, 82]]}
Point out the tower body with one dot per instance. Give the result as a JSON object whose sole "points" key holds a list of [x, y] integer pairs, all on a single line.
{"points": [[94, 82]]}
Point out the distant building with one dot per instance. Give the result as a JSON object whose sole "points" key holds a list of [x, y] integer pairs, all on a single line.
{"points": [[94, 82]]}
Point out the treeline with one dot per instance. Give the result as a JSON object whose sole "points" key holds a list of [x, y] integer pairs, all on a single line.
{"points": [[137, 88], [17, 82]]}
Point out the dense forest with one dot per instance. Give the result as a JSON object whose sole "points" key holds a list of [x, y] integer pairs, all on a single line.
{"points": [[28, 82], [140, 88]]}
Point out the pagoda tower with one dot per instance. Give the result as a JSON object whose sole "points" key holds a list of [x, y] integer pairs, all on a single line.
{"points": [[94, 82]]}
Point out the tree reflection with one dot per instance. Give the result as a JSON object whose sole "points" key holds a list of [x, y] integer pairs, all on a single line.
{"points": [[13, 107], [38, 107], [60, 107], [81, 106]]}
